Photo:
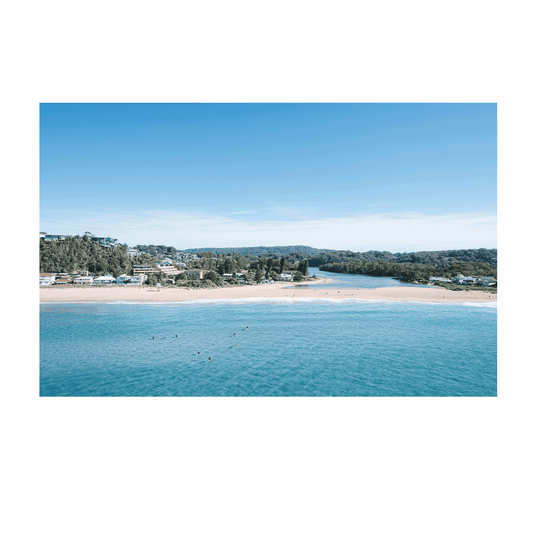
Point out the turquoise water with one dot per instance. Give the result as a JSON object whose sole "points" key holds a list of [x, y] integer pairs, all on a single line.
{"points": [[292, 347], [354, 281]]}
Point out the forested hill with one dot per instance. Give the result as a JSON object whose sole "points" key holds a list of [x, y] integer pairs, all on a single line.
{"points": [[79, 253], [258, 251], [443, 258]]}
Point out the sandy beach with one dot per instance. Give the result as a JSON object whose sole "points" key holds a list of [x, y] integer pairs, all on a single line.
{"points": [[276, 290]]}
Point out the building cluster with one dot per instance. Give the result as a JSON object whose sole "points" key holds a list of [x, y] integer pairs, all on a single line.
{"points": [[140, 275], [170, 265], [86, 279], [484, 281]]}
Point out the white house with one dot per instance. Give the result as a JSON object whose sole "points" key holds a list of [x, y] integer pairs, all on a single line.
{"points": [[137, 280], [81, 280], [196, 274], [285, 277], [46, 279], [123, 279], [468, 280], [104, 280]]}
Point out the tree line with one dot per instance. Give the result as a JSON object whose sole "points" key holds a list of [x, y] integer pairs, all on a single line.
{"points": [[442, 258], [259, 251], [412, 271]]}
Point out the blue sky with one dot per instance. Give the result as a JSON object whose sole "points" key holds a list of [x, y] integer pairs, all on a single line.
{"points": [[398, 177]]}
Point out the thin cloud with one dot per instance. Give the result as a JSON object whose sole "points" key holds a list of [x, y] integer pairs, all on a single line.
{"points": [[393, 231]]}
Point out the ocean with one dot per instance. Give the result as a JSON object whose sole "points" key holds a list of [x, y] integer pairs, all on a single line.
{"points": [[269, 347]]}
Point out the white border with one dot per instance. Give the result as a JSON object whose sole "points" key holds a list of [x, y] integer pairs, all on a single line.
{"points": [[30, 96]]}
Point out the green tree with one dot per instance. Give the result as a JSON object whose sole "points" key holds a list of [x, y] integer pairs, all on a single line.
{"points": [[258, 275], [214, 277], [298, 276], [303, 267]]}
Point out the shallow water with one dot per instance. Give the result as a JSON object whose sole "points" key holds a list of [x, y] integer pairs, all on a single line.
{"points": [[292, 347], [354, 281]]}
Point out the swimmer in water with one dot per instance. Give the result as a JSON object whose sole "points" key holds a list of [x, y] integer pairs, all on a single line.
{"points": [[209, 359]]}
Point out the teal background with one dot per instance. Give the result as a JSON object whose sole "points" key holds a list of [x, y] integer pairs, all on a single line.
{"points": [[263, 474]]}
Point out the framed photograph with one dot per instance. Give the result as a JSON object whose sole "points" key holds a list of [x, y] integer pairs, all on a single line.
{"points": [[266, 249]]}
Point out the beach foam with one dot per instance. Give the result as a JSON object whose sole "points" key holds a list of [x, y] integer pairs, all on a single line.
{"points": [[293, 300]]}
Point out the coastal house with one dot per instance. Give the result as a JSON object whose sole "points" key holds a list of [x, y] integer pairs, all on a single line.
{"points": [[196, 274], [63, 280], [285, 277], [132, 252], [50, 237], [168, 268], [83, 280], [144, 269], [46, 279], [104, 280], [137, 280], [106, 242], [123, 279], [165, 267], [466, 280]]}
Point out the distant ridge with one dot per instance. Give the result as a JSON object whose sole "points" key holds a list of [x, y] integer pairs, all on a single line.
{"points": [[260, 250]]}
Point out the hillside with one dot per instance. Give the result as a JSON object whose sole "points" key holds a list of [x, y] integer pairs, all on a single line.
{"points": [[79, 253], [307, 251], [442, 258]]}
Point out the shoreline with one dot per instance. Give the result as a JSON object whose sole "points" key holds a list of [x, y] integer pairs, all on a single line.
{"points": [[276, 290]]}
